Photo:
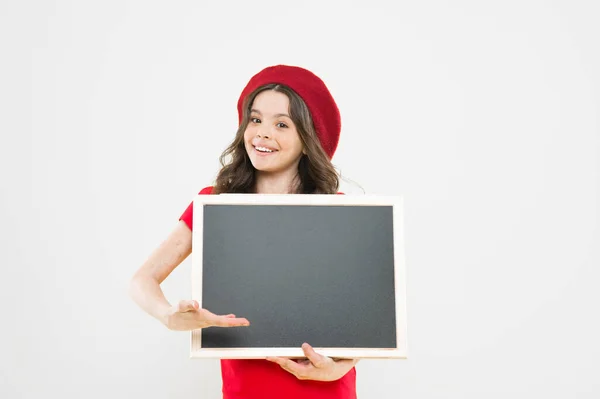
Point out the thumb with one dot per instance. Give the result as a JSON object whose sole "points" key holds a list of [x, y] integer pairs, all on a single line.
{"points": [[187, 306], [317, 360]]}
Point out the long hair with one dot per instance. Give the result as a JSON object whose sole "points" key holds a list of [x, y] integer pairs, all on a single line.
{"points": [[316, 173]]}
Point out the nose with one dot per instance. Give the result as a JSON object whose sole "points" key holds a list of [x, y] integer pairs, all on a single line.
{"points": [[263, 134]]}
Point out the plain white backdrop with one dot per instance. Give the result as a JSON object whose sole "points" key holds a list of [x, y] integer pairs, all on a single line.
{"points": [[484, 116]]}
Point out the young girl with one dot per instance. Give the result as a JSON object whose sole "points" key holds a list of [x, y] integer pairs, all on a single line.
{"points": [[289, 128]]}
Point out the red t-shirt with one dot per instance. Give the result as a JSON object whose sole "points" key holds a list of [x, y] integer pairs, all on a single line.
{"points": [[261, 379]]}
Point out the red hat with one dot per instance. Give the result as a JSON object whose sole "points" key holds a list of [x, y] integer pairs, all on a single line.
{"points": [[323, 109]]}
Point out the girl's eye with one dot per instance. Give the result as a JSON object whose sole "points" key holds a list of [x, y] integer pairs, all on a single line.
{"points": [[257, 120]]}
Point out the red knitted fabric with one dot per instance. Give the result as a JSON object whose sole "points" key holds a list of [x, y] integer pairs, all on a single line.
{"points": [[320, 102]]}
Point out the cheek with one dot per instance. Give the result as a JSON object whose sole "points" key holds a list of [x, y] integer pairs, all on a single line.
{"points": [[248, 134], [295, 143]]}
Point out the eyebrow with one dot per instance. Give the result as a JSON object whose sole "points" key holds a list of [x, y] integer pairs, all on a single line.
{"points": [[276, 115]]}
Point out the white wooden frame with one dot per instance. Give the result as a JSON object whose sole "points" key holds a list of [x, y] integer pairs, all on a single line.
{"points": [[196, 350]]}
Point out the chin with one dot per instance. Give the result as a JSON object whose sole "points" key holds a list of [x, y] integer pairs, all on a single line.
{"points": [[258, 166], [262, 166], [264, 169]]}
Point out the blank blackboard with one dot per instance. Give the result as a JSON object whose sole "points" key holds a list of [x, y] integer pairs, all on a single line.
{"points": [[322, 269]]}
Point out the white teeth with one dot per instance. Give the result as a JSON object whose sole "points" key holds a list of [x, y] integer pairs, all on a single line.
{"points": [[263, 149]]}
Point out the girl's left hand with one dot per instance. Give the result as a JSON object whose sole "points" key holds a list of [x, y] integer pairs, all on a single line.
{"points": [[315, 367]]}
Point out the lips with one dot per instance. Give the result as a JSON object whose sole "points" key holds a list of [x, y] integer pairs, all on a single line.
{"points": [[263, 149]]}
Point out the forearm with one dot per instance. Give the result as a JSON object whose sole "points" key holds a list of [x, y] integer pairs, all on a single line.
{"points": [[147, 294]]}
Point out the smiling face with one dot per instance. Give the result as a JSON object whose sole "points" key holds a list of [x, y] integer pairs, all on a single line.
{"points": [[271, 138], [276, 148]]}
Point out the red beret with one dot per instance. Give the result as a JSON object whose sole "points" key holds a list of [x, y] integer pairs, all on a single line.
{"points": [[323, 109]]}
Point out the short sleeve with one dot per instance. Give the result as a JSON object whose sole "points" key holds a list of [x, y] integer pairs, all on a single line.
{"points": [[188, 215]]}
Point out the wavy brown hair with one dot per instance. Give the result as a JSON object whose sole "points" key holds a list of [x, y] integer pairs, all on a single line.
{"points": [[316, 173]]}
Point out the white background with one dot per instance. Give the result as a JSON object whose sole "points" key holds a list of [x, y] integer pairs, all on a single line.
{"points": [[485, 116]]}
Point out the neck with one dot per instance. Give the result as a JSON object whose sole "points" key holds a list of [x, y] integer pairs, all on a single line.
{"points": [[276, 183]]}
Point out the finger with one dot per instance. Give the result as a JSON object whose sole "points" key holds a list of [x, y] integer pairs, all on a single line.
{"points": [[187, 306], [282, 361], [226, 321], [316, 359], [288, 365]]}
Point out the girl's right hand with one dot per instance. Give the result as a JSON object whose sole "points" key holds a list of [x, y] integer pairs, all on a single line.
{"points": [[187, 316]]}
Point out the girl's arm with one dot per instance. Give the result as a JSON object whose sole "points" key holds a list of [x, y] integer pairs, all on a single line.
{"points": [[144, 287]]}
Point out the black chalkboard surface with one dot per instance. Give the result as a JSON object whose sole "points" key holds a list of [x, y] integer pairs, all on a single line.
{"points": [[323, 269]]}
